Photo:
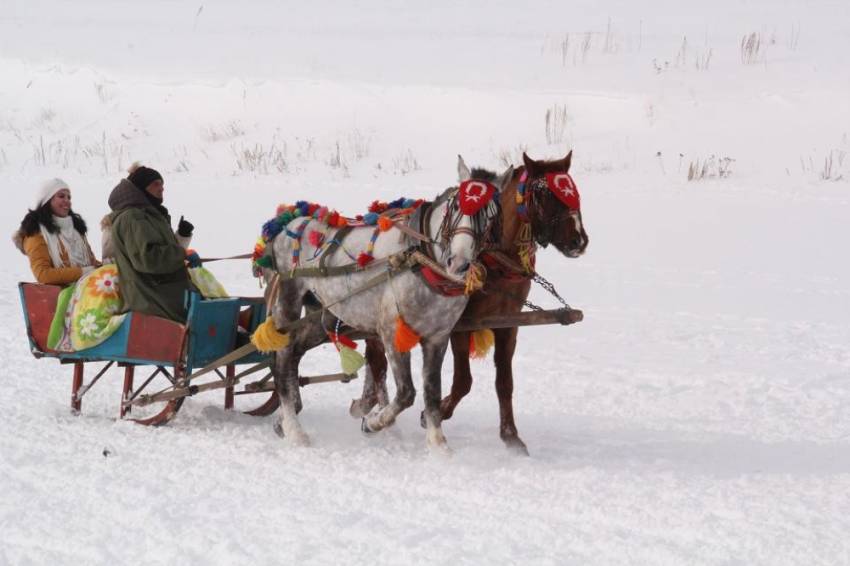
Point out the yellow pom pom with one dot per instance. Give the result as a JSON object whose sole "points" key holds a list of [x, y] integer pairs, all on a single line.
{"points": [[267, 338], [351, 360], [480, 343], [474, 278]]}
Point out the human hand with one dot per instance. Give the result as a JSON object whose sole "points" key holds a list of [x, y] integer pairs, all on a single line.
{"points": [[193, 259], [185, 228]]}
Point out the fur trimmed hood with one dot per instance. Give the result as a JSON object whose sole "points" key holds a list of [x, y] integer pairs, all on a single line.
{"points": [[126, 195], [18, 240]]}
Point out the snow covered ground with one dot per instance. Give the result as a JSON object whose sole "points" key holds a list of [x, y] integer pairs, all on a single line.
{"points": [[699, 415]]}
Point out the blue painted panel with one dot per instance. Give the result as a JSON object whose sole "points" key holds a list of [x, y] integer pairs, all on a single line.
{"points": [[212, 329]]}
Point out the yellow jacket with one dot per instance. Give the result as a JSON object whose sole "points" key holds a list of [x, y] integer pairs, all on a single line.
{"points": [[42, 267]]}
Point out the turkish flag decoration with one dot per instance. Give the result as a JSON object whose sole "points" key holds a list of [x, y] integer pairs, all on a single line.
{"points": [[563, 187], [474, 195]]}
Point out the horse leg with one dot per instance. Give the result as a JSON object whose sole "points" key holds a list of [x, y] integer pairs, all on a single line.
{"points": [[462, 377], [433, 352], [504, 352], [374, 382], [286, 380], [285, 370], [405, 393]]}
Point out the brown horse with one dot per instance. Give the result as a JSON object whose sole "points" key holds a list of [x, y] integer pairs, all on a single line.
{"points": [[540, 206]]}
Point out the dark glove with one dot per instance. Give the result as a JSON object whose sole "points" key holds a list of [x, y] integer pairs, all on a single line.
{"points": [[185, 228], [193, 259]]}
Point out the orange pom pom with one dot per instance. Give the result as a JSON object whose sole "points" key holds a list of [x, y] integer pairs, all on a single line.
{"points": [[385, 223], [341, 222], [405, 337]]}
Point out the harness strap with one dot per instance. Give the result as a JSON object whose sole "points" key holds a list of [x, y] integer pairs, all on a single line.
{"points": [[506, 262], [395, 267], [339, 236], [240, 256]]}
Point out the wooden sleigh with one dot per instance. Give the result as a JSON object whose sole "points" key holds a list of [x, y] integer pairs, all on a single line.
{"points": [[210, 339]]}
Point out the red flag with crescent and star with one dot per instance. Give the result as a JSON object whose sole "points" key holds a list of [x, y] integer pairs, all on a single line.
{"points": [[474, 195], [563, 187]]}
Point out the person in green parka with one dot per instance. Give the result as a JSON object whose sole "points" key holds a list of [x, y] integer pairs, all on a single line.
{"points": [[151, 258]]}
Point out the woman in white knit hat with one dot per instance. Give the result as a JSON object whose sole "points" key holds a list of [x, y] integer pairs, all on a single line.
{"points": [[53, 237]]}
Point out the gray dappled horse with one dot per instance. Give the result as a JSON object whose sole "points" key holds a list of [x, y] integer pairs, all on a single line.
{"points": [[456, 241]]}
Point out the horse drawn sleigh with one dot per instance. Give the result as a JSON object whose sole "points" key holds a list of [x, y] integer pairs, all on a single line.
{"points": [[402, 285]]}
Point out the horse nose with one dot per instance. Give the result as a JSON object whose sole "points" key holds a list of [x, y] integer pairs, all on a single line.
{"points": [[456, 265]]}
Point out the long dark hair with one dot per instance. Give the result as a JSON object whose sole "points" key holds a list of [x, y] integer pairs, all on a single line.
{"points": [[44, 216]]}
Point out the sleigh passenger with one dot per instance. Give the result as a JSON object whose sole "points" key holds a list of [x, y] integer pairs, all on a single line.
{"points": [[53, 237]]}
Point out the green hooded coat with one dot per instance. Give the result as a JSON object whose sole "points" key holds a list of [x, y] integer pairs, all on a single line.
{"points": [[150, 260]]}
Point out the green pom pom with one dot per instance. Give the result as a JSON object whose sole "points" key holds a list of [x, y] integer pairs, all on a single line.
{"points": [[265, 261], [285, 218], [351, 360]]}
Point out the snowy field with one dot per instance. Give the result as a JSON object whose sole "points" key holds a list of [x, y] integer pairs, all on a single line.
{"points": [[699, 415]]}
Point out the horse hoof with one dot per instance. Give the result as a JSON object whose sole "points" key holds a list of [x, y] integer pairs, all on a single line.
{"points": [[278, 429], [516, 446], [356, 409], [439, 446], [364, 426], [422, 422], [300, 440]]}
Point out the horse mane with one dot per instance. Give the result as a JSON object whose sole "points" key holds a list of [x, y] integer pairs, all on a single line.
{"points": [[481, 174]]}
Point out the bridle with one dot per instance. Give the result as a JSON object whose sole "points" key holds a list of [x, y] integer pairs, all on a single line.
{"points": [[530, 192], [483, 221]]}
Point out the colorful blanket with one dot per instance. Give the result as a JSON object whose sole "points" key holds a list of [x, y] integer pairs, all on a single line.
{"points": [[90, 311]]}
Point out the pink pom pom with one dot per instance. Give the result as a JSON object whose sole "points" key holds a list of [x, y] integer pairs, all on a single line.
{"points": [[316, 238]]}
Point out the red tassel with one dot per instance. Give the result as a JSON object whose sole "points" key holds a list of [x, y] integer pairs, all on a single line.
{"points": [[316, 238], [342, 340], [405, 337], [364, 259]]}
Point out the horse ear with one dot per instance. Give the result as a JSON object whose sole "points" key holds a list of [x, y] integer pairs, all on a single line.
{"points": [[505, 178], [463, 173], [568, 160], [530, 164]]}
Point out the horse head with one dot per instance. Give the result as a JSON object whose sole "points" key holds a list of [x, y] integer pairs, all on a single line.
{"points": [[472, 215], [552, 205]]}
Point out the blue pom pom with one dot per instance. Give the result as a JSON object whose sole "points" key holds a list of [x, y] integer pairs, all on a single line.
{"points": [[522, 210], [408, 202], [370, 218], [397, 203], [271, 229]]}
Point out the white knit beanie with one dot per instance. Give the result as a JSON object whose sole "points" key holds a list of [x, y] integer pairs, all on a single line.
{"points": [[49, 189]]}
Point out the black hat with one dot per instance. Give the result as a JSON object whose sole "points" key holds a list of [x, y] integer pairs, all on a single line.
{"points": [[142, 176]]}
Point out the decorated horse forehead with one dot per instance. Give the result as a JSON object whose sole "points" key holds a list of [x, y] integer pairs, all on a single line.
{"points": [[561, 185], [475, 194]]}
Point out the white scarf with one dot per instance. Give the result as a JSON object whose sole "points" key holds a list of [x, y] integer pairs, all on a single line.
{"points": [[68, 239]]}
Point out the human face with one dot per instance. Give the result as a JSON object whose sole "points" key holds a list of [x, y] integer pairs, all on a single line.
{"points": [[60, 204], [156, 188]]}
